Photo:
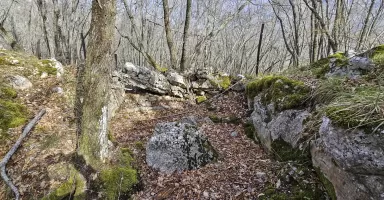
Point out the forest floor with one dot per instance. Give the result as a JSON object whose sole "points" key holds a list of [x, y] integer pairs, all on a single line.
{"points": [[243, 169]]}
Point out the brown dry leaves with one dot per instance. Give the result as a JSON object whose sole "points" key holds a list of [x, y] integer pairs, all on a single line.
{"points": [[238, 173]]}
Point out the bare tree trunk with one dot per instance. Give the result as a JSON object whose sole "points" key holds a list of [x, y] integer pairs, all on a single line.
{"points": [[185, 36], [43, 12], [332, 42], [168, 34], [95, 86], [365, 26]]}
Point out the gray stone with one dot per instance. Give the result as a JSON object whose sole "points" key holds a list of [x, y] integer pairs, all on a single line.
{"points": [[58, 90], [116, 96], [58, 66], [351, 160], [176, 79], [178, 146], [234, 134], [145, 79], [270, 125], [19, 82]]}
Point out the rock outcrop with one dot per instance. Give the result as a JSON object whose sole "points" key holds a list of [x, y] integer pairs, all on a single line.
{"points": [[178, 146], [346, 151], [352, 160], [173, 83]]}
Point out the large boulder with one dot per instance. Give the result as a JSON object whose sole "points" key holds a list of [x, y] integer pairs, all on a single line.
{"points": [[178, 146], [351, 161], [278, 112], [272, 126]]}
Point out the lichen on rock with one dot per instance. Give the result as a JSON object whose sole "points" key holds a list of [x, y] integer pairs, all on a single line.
{"points": [[179, 146]]}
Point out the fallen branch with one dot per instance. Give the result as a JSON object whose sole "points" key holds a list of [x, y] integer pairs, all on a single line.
{"points": [[8, 156]]}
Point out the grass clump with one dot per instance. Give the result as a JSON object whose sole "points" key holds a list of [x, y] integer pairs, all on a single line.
{"points": [[285, 93], [362, 108], [120, 178]]}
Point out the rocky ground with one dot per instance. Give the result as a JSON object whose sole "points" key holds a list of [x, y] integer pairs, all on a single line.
{"points": [[242, 171]]}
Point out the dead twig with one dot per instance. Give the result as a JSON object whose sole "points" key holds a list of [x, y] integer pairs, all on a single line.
{"points": [[8, 156]]}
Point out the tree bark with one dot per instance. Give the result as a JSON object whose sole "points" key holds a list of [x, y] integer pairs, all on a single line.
{"points": [[95, 85], [185, 36], [168, 34]]}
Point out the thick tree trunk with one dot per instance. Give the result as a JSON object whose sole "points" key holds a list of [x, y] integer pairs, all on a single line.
{"points": [[96, 80]]}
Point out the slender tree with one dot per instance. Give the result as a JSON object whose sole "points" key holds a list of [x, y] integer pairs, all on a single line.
{"points": [[185, 35]]}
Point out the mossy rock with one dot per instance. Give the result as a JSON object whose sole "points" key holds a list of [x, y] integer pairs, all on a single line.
{"points": [[283, 92], [377, 55], [321, 67], [46, 66], [74, 187], [221, 81], [200, 99]]}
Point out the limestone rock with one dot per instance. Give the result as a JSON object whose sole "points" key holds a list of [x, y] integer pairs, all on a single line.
{"points": [[178, 146], [117, 95], [176, 79], [19, 82], [271, 125], [58, 66], [353, 161], [145, 79]]}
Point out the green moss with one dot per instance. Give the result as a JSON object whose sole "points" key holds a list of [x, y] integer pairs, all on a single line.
{"points": [[46, 66], [377, 55], [139, 145], [161, 69], [321, 67], [200, 99], [283, 151], [222, 82], [326, 183], [120, 178], [215, 119], [75, 186], [7, 92], [12, 114], [285, 93]]}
